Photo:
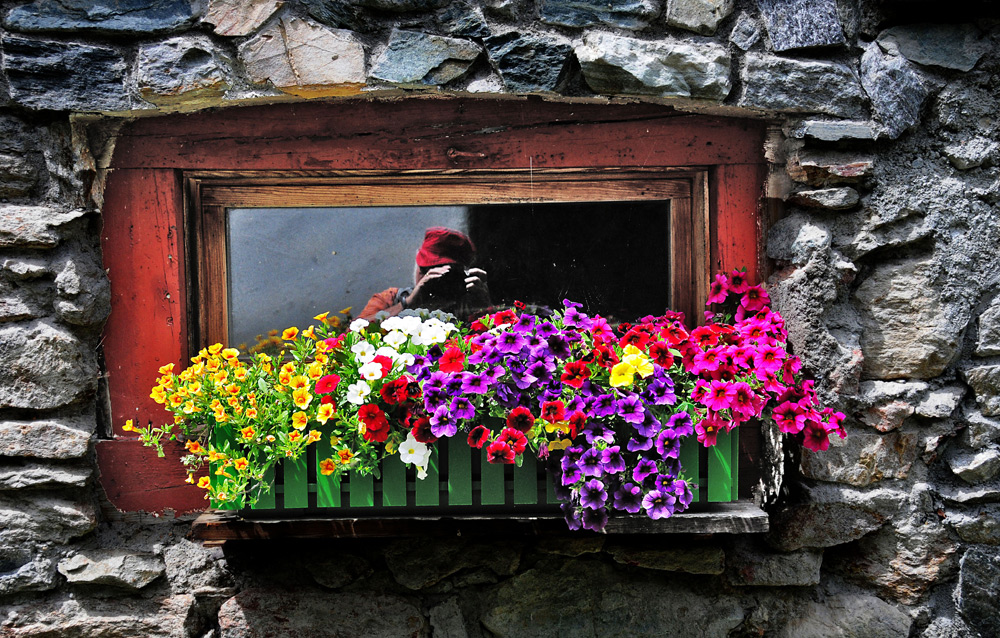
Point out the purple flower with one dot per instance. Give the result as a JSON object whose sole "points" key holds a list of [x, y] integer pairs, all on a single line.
{"points": [[660, 393], [434, 399], [639, 444], [522, 378], [474, 383], [571, 473], [593, 495], [436, 381], [559, 346], [540, 371], [573, 518], [682, 490], [630, 408], [649, 426], [507, 396], [546, 329], [595, 431], [480, 356], [590, 462], [573, 318], [604, 405], [595, 519], [658, 505], [524, 323], [509, 342], [533, 341], [628, 497], [644, 468], [442, 423], [453, 385], [681, 424], [668, 444], [435, 352], [462, 408], [493, 374], [612, 460]]}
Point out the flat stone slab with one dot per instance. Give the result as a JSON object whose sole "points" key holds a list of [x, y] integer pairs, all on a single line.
{"points": [[800, 24], [625, 14], [897, 93], [133, 17], [529, 63], [239, 17], [951, 46], [800, 86], [414, 59]]}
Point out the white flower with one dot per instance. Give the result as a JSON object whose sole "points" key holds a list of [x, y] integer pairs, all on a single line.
{"points": [[394, 338], [358, 324], [413, 451], [421, 472], [356, 392], [371, 371], [431, 333], [405, 360], [392, 323], [410, 325], [386, 351], [365, 351]]}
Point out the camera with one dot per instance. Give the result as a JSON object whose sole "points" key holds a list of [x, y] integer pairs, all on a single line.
{"points": [[449, 286]]}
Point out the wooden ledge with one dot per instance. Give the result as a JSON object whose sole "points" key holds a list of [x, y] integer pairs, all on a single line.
{"points": [[216, 527]]}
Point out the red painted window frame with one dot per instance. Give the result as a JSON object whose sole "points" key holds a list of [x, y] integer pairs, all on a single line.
{"points": [[145, 207]]}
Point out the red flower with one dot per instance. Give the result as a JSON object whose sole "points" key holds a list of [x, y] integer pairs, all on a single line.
{"points": [[577, 421], [634, 337], [453, 360], [520, 418], [514, 438], [504, 317], [674, 333], [478, 436], [499, 452], [385, 362], [376, 424], [659, 352], [422, 430], [575, 373], [705, 337], [327, 384], [391, 390], [553, 411], [605, 357]]}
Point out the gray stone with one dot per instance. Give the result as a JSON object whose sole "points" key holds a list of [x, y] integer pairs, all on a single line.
{"points": [[461, 19], [978, 526], [754, 566], [437, 560], [841, 198], [989, 331], [416, 59], [830, 167], [940, 404], [700, 16], [22, 571], [37, 517], [951, 46], [617, 65], [24, 269], [976, 467], [800, 24], [570, 545], [985, 382], [43, 367], [64, 76], [102, 16], [260, 612], [83, 292], [909, 331], [400, 6], [303, 58], [773, 83], [112, 568], [863, 458], [22, 164], [447, 620], [239, 17], [625, 14], [342, 14], [969, 496], [816, 524], [797, 239], [528, 63], [67, 616], [834, 130], [896, 91], [18, 303], [33, 226], [197, 570], [52, 439], [746, 32], [980, 430], [21, 475], [704, 559], [978, 593], [186, 70], [339, 571], [971, 153], [847, 616]]}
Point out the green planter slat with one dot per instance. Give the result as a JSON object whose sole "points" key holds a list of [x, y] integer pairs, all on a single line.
{"points": [[735, 465], [267, 500], [720, 476], [526, 481], [550, 492], [428, 490], [459, 474], [393, 482], [361, 490], [296, 484], [327, 487], [492, 490], [690, 451], [224, 439]]}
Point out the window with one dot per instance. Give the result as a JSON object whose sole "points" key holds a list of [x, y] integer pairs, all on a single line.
{"points": [[698, 180]]}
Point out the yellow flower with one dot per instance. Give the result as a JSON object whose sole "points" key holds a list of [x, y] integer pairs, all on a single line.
{"points": [[346, 311], [288, 367], [189, 408], [301, 398], [240, 464], [251, 413], [240, 373], [294, 436], [314, 436], [324, 413], [345, 456], [194, 447], [284, 378], [327, 467], [558, 426], [272, 333], [334, 322], [220, 377], [639, 362], [315, 370], [128, 427], [290, 333], [298, 382], [159, 395], [233, 401], [561, 444], [248, 432], [215, 348], [176, 400], [321, 358], [269, 438], [204, 482], [622, 374], [322, 316], [309, 333], [214, 456], [230, 353], [299, 420], [212, 365], [189, 479], [167, 369]]}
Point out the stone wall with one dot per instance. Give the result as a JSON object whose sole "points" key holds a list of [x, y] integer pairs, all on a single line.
{"points": [[886, 270]]}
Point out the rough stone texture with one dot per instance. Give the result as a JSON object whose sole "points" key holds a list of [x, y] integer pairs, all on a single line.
{"points": [[461, 19], [436, 561], [339, 571], [746, 32], [402, 5], [693, 560], [83, 292], [988, 343], [33, 226], [303, 58], [126, 617], [972, 153], [827, 198], [570, 546], [976, 467], [18, 475], [120, 17], [978, 587], [819, 168], [256, 613], [895, 88], [863, 458], [985, 382], [617, 65], [909, 331], [21, 161], [952, 46], [626, 14], [50, 439], [112, 568], [834, 130], [979, 525], [800, 24], [61, 76], [43, 367], [818, 524], [939, 404], [800, 86], [848, 616], [753, 566], [558, 601], [23, 571], [184, 70], [419, 59], [528, 63], [38, 517], [193, 569], [447, 621], [888, 403], [239, 17], [700, 16]]}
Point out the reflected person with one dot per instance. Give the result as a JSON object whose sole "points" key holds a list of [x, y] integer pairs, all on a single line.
{"points": [[442, 279]]}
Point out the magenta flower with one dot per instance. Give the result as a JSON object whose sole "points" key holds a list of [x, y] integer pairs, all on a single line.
{"points": [[720, 395], [789, 417], [593, 494], [718, 292], [659, 504]]}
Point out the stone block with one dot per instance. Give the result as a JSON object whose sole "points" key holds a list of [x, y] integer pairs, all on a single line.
{"points": [[24, 570], [20, 474], [462, 19], [37, 517], [624, 14], [797, 239], [65, 438], [339, 571], [617, 65], [746, 32], [437, 560], [64, 76], [834, 130], [697, 559], [18, 303], [401, 6], [801, 24], [112, 568], [24, 269], [971, 153], [773, 83], [529, 63], [754, 566], [574, 546], [831, 167], [341, 14], [117, 17], [985, 382], [842, 198], [822, 524], [700, 16], [259, 612], [988, 343], [83, 292], [951, 46], [980, 525], [33, 226], [68, 616], [447, 620], [43, 366], [941, 403], [303, 58], [896, 91], [847, 616], [22, 164], [978, 593], [414, 59], [976, 467], [863, 458], [239, 17], [189, 71]]}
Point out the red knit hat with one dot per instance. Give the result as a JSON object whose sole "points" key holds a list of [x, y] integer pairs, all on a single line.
{"points": [[445, 246]]}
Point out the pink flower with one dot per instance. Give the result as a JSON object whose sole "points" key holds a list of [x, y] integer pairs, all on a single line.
{"points": [[717, 291], [707, 360], [744, 400], [789, 417], [768, 360], [708, 429], [815, 437], [738, 282], [327, 384], [755, 298], [720, 395]]}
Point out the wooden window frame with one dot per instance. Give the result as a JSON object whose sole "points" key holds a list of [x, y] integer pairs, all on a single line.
{"points": [[161, 167]]}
